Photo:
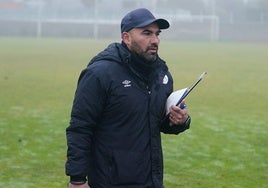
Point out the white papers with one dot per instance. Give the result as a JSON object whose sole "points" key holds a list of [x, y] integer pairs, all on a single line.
{"points": [[174, 97]]}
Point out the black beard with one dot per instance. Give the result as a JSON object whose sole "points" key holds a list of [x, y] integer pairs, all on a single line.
{"points": [[148, 58], [145, 55]]}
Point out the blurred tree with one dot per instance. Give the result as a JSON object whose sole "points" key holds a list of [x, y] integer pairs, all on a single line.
{"points": [[194, 6], [263, 4], [230, 10], [257, 11], [89, 3], [129, 4]]}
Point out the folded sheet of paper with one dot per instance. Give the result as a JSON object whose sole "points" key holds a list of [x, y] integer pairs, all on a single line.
{"points": [[174, 97]]}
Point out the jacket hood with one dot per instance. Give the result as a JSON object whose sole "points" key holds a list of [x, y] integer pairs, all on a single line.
{"points": [[114, 52]]}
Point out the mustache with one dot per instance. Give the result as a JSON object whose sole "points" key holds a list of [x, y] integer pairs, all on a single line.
{"points": [[152, 47]]}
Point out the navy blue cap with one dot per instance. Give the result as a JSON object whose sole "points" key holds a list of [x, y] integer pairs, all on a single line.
{"points": [[140, 18]]}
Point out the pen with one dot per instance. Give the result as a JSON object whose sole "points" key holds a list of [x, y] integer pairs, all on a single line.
{"points": [[182, 106]]}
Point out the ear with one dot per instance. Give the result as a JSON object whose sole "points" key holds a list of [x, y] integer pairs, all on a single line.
{"points": [[126, 38]]}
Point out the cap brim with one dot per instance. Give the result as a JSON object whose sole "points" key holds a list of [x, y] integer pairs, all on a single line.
{"points": [[162, 23]]}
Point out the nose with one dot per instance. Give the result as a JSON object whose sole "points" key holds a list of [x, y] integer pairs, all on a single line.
{"points": [[155, 39]]}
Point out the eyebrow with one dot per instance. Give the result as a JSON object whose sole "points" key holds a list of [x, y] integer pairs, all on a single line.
{"points": [[148, 30]]}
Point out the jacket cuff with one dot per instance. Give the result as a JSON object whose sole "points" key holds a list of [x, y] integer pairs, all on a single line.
{"points": [[78, 179], [174, 129]]}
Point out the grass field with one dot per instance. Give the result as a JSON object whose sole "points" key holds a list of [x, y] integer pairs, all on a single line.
{"points": [[225, 147]]}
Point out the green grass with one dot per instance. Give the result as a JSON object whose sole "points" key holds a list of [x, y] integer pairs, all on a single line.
{"points": [[225, 147]]}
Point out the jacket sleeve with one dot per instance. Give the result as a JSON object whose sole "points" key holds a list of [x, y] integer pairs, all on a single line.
{"points": [[168, 128], [87, 106]]}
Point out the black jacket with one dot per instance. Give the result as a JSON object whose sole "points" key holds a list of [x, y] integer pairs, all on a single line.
{"points": [[117, 116]]}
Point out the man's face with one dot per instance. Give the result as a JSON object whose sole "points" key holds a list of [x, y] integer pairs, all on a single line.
{"points": [[144, 41]]}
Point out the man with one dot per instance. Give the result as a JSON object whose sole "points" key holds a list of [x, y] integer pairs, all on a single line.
{"points": [[118, 112]]}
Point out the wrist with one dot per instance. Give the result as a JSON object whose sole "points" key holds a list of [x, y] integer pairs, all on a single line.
{"points": [[78, 182]]}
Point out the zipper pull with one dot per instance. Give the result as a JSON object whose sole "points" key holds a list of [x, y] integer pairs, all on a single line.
{"points": [[149, 91]]}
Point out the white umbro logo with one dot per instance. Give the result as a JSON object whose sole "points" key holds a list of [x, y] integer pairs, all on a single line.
{"points": [[126, 83]]}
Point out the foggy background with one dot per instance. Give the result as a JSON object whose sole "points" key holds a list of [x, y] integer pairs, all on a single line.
{"points": [[196, 20]]}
